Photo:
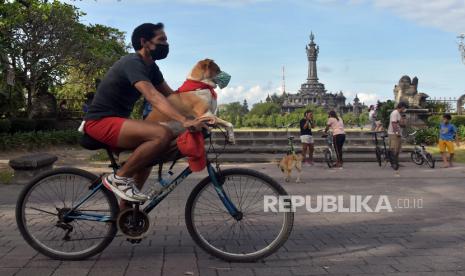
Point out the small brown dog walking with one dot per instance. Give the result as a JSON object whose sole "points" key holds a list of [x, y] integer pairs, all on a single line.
{"points": [[288, 163]]}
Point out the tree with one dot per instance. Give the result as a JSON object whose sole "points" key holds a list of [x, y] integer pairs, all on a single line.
{"points": [[265, 109], [231, 111], [104, 46], [44, 42], [245, 107]]}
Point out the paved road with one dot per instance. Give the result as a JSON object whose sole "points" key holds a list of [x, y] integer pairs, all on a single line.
{"points": [[407, 241]]}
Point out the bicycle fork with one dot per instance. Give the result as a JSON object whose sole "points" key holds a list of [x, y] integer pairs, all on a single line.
{"points": [[218, 184]]}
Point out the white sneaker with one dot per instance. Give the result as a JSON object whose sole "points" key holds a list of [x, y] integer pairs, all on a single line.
{"points": [[124, 187]]}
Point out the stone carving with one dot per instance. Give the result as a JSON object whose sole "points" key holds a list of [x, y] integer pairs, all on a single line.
{"points": [[407, 91], [44, 105], [460, 105]]}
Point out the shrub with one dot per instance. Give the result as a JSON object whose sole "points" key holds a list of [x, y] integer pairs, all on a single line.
{"points": [[45, 124], [22, 125], [461, 132], [384, 111], [428, 136], [458, 120], [39, 139], [434, 120], [5, 126]]}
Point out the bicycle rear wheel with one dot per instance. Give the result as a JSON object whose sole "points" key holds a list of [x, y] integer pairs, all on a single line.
{"points": [[255, 235], [43, 205], [416, 158], [379, 156], [430, 160]]}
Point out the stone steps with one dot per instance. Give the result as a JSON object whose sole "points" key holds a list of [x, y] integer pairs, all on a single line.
{"points": [[283, 149], [283, 134], [269, 157], [318, 141]]}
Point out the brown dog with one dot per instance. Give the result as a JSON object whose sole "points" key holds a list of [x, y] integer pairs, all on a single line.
{"points": [[199, 102], [289, 162]]}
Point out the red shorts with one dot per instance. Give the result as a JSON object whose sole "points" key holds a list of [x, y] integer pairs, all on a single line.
{"points": [[105, 130]]}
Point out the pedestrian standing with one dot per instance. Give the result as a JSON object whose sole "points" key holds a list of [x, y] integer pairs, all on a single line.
{"points": [[336, 125], [306, 137], [396, 121]]}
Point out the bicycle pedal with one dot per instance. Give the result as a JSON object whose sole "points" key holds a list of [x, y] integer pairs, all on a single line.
{"points": [[134, 241]]}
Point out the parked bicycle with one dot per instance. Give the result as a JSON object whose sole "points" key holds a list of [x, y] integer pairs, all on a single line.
{"points": [[383, 154], [329, 151], [68, 214], [419, 154]]}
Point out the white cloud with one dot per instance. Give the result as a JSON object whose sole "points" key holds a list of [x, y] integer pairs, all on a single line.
{"points": [[365, 97], [222, 3], [446, 15], [253, 94]]}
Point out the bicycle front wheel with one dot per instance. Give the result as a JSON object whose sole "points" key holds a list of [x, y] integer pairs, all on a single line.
{"points": [[329, 158], [42, 214], [257, 234]]}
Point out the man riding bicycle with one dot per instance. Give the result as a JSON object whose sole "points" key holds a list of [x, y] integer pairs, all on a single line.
{"points": [[107, 119]]}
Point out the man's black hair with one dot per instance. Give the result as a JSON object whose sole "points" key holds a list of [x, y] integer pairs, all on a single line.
{"points": [[146, 31], [447, 116], [308, 111], [402, 105]]}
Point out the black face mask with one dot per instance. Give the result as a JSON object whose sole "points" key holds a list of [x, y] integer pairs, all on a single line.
{"points": [[161, 51]]}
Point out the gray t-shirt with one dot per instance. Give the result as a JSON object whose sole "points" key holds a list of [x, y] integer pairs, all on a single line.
{"points": [[116, 94]]}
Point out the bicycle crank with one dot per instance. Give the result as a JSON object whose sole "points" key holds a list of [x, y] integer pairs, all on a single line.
{"points": [[133, 223]]}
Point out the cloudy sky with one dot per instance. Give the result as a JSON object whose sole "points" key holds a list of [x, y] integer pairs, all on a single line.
{"points": [[365, 45]]}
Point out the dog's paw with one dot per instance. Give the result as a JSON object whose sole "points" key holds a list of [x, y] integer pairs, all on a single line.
{"points": [[287, 179], [231, 138], [297, 180]]}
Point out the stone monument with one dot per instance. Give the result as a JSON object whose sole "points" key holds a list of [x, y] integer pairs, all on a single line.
{"points": [[313, 91], [407, 91]]}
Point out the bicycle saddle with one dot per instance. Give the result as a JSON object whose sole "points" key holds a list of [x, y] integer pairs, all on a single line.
{"points": [[90, 143]]}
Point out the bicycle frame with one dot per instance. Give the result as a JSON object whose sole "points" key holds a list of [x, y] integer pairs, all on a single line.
{"points": [[73, 214], [384, 148]]}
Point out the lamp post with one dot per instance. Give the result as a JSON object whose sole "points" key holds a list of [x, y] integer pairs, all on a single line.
{"points": [[461, 43]]}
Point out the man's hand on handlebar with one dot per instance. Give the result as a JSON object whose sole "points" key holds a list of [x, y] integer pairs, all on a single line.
{"points": [[199, 123]]}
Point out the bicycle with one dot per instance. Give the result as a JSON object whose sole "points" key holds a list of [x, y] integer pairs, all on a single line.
{"points": [[328, 152], [68, 214], [419, 154], [290, 139], [384, 154]]}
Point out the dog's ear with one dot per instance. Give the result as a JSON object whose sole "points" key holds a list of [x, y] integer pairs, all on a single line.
{"points": [[212, 66], [199, 70]]}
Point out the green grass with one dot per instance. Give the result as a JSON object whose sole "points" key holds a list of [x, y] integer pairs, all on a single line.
{"points": [[459, 153], [6, 176]]}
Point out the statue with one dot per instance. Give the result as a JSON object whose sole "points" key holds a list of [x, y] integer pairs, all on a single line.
{"points": [[44, 104], [407, 91]]}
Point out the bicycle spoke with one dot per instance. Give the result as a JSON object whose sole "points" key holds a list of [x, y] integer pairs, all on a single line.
{"points": [[255, 231], [43, 214]]}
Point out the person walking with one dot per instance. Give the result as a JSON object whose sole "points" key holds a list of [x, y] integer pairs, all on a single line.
{"points": [[372, 117], [447, 134], [339, 136], [396, 121], [306, 137]]}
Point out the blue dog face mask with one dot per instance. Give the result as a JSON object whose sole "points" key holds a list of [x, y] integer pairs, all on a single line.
{"points": [[222, 79]]}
